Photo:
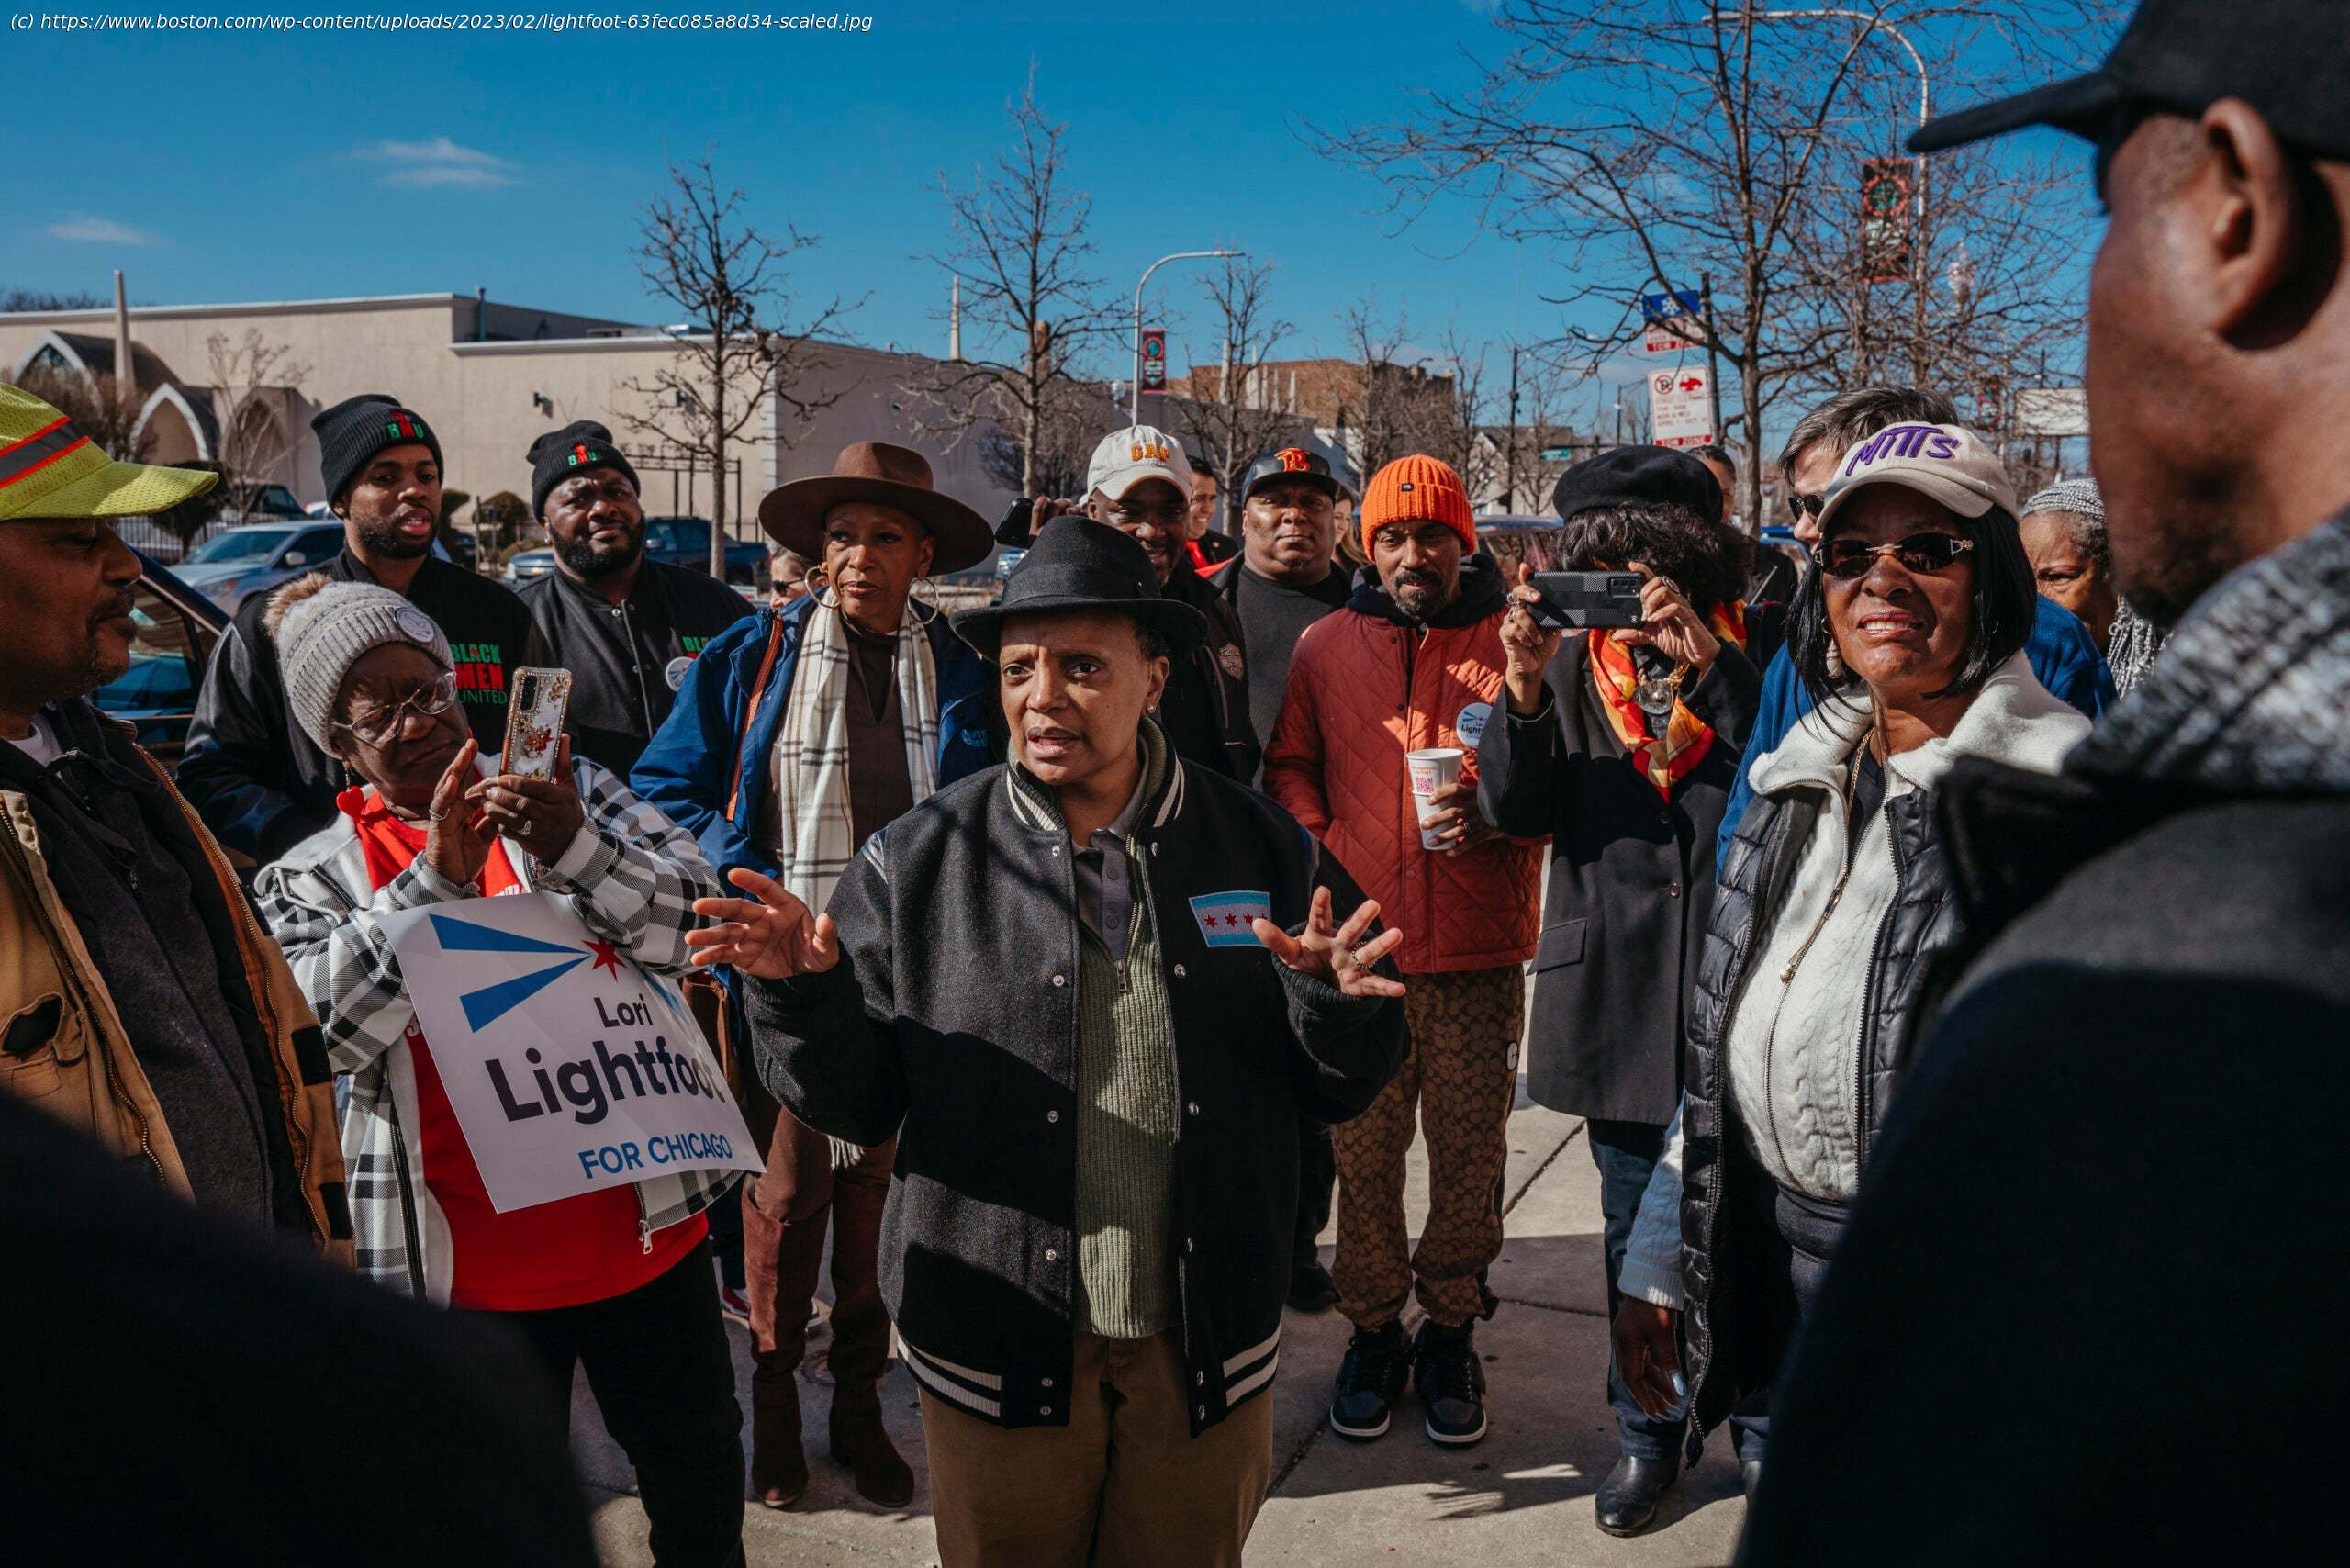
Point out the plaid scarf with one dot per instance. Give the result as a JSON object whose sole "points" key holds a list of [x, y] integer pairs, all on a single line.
{"points": [[809, 765], [1665, 760]]}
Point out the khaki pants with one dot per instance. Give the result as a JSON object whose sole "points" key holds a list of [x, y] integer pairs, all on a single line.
{"points": [[1125, 1484], [1459, 1076]]}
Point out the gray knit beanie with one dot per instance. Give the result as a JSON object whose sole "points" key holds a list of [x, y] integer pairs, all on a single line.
{"points": [[323, 627]]}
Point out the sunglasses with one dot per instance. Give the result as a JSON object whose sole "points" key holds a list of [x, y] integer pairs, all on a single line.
{"points": [[1921, 553], [1802, 504]]}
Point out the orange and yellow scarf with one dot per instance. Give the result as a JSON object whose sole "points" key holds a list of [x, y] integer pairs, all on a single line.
{"points": [[1665, 760]]}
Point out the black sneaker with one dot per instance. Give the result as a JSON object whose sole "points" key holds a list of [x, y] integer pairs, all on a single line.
{"points": [[1370, 1380], [1451, 1381]]}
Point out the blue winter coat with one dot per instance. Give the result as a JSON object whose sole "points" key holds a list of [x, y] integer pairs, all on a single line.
{"points": [[706, 769]]}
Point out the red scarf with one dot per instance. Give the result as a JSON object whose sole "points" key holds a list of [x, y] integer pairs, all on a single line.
{"points": [[1663, 760]]}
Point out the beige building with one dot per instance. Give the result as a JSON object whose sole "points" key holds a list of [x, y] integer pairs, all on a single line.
{"points": [[489, 376]]}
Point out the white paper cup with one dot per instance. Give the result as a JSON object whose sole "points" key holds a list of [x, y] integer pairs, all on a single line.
{"points": [[1429, 771]]}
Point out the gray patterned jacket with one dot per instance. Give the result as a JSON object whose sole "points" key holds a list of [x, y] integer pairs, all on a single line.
{"points": [[631, 874]]}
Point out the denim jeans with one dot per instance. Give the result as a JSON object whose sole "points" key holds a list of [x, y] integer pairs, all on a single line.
{"points": [[1626, 1153], [1807, 1233]]}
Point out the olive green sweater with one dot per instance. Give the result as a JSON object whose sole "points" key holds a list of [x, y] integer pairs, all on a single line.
{"points": [[1126, 1134]]}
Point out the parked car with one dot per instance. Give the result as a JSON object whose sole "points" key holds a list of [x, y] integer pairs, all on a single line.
{"points": [[679, 540], [176, 629], [269, 503], [685, 542], [255, 558], [1512, 539], [525, 564]]}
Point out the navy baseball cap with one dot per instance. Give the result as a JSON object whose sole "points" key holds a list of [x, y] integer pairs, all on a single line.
{"points": [[2288, 58]]}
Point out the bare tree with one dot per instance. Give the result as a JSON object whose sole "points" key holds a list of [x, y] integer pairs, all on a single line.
{"points": [[1233, 412], [1019, 247], [1390, 403], [249, 378], [1651, 142], [733, 283]]}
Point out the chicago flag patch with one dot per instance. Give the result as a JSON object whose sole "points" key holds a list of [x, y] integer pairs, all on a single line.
{"points": [[1224, 917]]}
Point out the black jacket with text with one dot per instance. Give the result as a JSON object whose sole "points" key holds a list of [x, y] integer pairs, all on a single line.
{"points": [[628, 659], [952, 1021]]}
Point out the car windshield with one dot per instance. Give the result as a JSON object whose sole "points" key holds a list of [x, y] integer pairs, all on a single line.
{"points": [[240, 544]]}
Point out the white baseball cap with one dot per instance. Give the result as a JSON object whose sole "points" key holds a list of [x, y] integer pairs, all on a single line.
{"points": [[1943, 463], [1125, 458]]}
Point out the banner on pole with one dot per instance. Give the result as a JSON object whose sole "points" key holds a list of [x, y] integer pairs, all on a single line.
{"points": [[1884, 218], [570, 1069], [1681, 407], [1154, 359], [1675, 321]]}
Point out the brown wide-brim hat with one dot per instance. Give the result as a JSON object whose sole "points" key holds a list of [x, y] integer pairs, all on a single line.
{"points": [[874, 471]]}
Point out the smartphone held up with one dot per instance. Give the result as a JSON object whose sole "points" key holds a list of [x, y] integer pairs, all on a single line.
{"points": [[534, 720]]}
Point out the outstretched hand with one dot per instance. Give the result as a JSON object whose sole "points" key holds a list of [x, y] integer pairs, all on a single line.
{"points": [[771, 935], [1336, 954]]}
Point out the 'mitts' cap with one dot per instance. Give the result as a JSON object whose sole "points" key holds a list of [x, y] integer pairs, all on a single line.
{"points": [[2288, 58], [1942, 463]]}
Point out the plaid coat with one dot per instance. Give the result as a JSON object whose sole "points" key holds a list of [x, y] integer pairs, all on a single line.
{"points": [[631, 875]]}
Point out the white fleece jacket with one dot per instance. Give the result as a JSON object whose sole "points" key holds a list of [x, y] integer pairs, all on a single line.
{"points": [[1791, 1044]]}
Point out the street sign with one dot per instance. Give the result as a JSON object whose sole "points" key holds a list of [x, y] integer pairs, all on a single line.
{"points": [[1884, 218], [1681, 407], [2051, 410], [1675, 321], [1154, 359], [1558, 455]]}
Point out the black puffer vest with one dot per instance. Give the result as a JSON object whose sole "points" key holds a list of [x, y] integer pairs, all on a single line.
{"points": [[1727, 1231]]}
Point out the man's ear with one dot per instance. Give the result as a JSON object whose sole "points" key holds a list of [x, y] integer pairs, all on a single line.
{"points": [[1160, 668], [2247, 213]]}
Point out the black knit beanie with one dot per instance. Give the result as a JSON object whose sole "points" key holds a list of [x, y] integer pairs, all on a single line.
{"points": [[353, 430], [576, 448]]}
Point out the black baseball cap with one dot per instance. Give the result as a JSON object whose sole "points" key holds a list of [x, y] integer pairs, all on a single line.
{"points": [[1291, 462], [2288, 58], [1639, 476]]}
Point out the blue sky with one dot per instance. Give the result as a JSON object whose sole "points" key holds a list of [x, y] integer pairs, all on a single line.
{"points": [[217, 166]]}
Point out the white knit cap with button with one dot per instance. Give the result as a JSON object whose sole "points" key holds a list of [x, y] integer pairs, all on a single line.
{"points": [[323, 628]]}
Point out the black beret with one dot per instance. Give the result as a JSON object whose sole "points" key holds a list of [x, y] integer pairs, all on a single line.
{"points": [[1639, 476]]}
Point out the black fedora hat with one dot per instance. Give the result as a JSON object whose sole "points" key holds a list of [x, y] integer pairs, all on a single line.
{"points": [[1080, 566]]}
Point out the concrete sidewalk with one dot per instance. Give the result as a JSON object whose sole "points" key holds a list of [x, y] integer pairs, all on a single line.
{"points": [[1521, 1497]]}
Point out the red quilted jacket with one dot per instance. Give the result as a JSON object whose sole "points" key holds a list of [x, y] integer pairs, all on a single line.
{"points": [[1367, 687]]}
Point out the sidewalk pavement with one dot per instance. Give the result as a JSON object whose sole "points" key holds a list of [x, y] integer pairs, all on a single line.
{"points": [[1521, 1497]]}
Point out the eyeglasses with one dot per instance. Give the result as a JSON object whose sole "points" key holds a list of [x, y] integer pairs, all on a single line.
{"points": [[1849, 558], [379, 724], [1801, 505]]}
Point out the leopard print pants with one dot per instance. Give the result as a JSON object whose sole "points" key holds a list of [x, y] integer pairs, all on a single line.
{"points": [[1459, 1081]]}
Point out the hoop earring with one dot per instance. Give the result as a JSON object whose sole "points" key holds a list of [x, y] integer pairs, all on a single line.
{"points": [[925, 610], [827, 597]]}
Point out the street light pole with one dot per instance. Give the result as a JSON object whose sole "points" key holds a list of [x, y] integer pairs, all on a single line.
{"points": [[1134, 408], [1871, 23]]}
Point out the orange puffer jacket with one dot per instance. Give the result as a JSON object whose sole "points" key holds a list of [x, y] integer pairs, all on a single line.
{"points": [[1367, 687]]}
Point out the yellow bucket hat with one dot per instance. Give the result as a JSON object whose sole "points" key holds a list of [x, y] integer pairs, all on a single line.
{"points": [[47, 468]]}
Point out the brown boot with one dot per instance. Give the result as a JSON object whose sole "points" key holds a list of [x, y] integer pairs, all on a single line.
{"points": [[860, 1443], [779, 1465]]}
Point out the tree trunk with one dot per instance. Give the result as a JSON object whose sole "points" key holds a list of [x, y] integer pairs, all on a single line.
{"points": [[717, 470]]}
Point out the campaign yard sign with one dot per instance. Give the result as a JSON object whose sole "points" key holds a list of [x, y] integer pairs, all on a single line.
{"points": [[569, 1068]]}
